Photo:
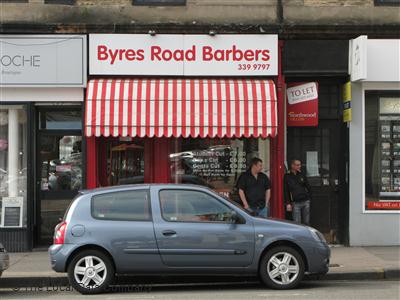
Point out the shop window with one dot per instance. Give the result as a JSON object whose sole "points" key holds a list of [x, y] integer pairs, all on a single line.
{"points": [[122, 206], [13, 166], [123, 161], [192, 206], [61, 159], [382, 152], [159, 2], [60, 119], [215, 163]]}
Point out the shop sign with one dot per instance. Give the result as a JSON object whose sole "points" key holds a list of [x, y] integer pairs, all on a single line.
{"points": [[183, 55], [302, 104], [384, 205], [347, 102], [42, 60], [11, 211], [358, 58]]}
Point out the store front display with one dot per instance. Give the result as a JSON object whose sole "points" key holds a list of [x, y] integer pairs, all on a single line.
{"points": [[180, 130], [211, 136], [13, 166], [41, 165], [382, 153], [374, 142], [215, 163]]}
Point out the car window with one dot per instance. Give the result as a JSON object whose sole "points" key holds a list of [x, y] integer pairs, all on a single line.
{"points": [[193, 206], [123, 206]]}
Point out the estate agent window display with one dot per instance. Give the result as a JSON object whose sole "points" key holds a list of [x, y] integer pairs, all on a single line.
{"points": [[382, 152]]}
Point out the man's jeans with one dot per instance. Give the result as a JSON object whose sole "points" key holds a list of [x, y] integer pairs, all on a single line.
{"points": [[260, 211], [301, 212]]}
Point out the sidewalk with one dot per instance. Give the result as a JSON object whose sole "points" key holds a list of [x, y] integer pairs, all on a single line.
{"points": [[347, 263]]}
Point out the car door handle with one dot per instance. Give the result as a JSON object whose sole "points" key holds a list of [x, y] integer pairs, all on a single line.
{"points": [[168, 232]]}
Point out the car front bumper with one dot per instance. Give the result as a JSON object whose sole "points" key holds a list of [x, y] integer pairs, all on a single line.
{"points": [[318, 258]]}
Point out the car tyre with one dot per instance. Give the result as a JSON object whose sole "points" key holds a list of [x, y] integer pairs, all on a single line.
{"points": [[282, 268], [91, 272]]}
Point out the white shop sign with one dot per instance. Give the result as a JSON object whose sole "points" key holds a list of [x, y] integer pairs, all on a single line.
{"points": [[358, 58], [374, 60], [43, 60], [183, 55]]}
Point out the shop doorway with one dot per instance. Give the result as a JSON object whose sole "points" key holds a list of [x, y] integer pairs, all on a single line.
{"points": [[58, 168], [323, 152]]}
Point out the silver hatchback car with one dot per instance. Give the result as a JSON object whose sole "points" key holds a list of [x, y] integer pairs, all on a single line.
{"points": [[178, 229]]}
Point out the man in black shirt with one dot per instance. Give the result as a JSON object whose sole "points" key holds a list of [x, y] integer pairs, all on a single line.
{"points": [[297, 193], [255, 189]]}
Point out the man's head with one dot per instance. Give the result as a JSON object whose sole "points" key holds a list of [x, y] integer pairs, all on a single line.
{"points": [[256, 165], [295, 165]]}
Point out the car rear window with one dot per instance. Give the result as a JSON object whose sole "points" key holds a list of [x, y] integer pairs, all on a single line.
{"points": [[122, 206]]}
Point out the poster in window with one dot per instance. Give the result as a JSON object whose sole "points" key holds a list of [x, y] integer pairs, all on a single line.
{"points": [[385, 131], [385, 149], [386, 181], [396, 183], [396, 166], [396, 149], [396, 131]]}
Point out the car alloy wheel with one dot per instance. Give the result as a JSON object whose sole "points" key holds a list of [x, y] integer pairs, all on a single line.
{"points": [[283, 268], [90, 272]]}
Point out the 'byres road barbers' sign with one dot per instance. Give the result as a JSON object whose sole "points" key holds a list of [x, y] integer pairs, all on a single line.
{"points": [[43, 60], [183, 55]]}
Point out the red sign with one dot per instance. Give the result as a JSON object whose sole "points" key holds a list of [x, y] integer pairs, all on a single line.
{"points": [[302, 104], [184, 55], [384, 205]]}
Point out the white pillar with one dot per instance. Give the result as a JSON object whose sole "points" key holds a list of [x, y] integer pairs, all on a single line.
{"points": [[13, 152]]}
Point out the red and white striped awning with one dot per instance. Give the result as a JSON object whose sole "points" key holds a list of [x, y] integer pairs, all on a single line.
{"points": [[181, 107]]}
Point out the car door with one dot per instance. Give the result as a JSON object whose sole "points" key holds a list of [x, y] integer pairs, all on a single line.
{"points": [[124, 224], [194, 229]]}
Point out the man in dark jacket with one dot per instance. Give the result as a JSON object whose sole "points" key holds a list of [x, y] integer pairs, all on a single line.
{"points": [[297, 193], [255, 189]]}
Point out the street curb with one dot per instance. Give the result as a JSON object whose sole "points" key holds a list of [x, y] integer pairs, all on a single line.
{"points": [[376, 274], [17, 283], [53, 282]]}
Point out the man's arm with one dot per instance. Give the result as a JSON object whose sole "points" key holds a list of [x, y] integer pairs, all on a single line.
{"points": [[243, 198], [267, 197], [286, 194], [307, 185]]}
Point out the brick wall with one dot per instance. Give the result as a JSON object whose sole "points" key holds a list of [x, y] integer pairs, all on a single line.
{"points": [[214, 12]]}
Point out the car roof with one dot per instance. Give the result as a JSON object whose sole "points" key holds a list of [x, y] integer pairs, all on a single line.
{"points": [[141, 185]]}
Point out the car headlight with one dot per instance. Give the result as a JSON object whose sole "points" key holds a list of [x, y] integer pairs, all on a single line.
{"points": [[318, 236]]}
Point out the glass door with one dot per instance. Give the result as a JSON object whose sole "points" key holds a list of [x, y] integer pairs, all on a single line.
{"points": [[60, 178], [58, 169]]}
